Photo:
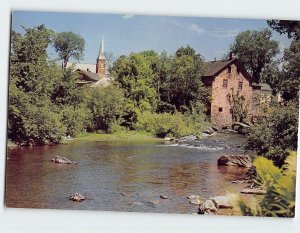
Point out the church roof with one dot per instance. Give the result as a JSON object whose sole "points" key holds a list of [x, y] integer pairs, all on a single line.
{"points": [[90, 75], [82, 66], [104, 82]]}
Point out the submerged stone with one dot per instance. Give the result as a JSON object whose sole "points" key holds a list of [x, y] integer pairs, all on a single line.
{"points": [[235, 160]]}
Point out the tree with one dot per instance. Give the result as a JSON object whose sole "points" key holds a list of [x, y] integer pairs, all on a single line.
{"points": [[289, 80], [289, 84], [44, 102], [239, 106], [69, 45], [28, 60], [185, 86], [135, 75], [110, 59], [289, 27], [255, 50]]}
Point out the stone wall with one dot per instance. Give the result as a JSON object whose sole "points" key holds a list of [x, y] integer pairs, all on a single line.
{"points": [[221, 108]]}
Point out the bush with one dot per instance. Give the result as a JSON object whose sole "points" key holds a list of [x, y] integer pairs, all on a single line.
{"points": [[105, 105], [280, 185], [272, 137], [172, 125], [74, 119]]}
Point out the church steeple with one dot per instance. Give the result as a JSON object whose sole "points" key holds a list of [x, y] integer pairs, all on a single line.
{"points": [[101, 60], [101, 50]]}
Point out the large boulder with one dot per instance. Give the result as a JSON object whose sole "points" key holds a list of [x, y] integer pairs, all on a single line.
{"points": [[210, 207], [221, 202], [207, 207], [235, 160], [196, 199], [209, 130], [60, 159]]}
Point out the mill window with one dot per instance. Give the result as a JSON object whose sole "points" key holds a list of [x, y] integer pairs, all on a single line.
{"points": [[220, 109], [229, 69], [225, 82], [240, 87]]}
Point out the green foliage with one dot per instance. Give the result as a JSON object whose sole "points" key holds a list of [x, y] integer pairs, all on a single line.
{"points": [[28, 61], [172, 125], [65, 91], [75, 120], [289, 27], [186, 87], [272, 137], [290, 78], [44, 102], [288, 82], [255, 50], [135, 76], [105, 104], [69, 45], [32, 120], [280, 185], [239, 106], [161, 83]]}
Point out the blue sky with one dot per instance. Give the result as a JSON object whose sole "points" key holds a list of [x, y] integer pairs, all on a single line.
{"points": [[124, 34]]}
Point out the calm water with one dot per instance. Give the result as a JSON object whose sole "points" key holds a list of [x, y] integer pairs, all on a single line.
{"points": [[118, 176]]}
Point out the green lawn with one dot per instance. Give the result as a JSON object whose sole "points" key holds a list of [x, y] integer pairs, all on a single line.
{"points": [[119, 136]]}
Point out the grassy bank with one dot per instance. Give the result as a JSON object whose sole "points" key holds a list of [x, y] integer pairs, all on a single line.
{"points": [[131, 136]]}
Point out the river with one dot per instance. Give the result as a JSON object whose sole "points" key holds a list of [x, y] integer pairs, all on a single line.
{"points": [[121, 176]]}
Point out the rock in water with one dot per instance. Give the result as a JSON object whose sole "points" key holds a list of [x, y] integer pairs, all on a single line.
{"points": [[254, 191], [222, 202], [60, 159], [196, 200], [210, 207], [77, 197], [235, 160]]}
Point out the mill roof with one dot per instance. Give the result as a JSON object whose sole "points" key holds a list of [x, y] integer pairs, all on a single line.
{"points": [[213, 68]]}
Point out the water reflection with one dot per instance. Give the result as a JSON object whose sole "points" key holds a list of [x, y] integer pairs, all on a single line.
{"points": [[116, 176]]}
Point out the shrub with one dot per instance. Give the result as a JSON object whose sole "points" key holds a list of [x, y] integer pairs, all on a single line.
{"points": [[105, 105], [74, 119], [167, 124], [272, 137], [280, 185]]}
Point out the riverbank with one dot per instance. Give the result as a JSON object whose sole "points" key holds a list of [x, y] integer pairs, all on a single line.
{"points": [[130, 136]]}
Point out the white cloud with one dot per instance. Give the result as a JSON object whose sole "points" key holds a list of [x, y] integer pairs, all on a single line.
{"points": [[128, 16], [196, 28], [224, 33]]}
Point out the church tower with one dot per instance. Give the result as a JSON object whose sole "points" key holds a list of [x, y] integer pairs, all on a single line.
{"points": [[101, 60]]}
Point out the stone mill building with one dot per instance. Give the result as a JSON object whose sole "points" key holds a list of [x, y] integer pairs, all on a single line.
{"points": [[227, 78]]}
